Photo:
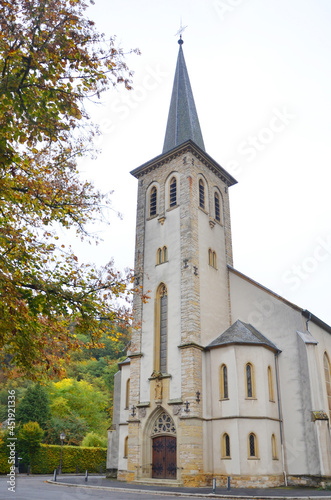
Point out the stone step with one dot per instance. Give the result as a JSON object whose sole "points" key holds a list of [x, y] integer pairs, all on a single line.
{"points": [[159, 482]]}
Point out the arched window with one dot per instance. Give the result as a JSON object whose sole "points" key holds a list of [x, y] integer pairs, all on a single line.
{"points": [[126, 447], [212, 258], [327, 375], [153, 202], [252, 446], [161, 330], [164, 254], [274, 447], [270, 385], [217, 206], [159, 256], [202, 203], [173, 192], [224, 391], [127, 394], [250, 381], [225, 446]]}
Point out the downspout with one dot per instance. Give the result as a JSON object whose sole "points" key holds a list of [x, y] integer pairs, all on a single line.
{"points": [[307, 322], [280, 418]]}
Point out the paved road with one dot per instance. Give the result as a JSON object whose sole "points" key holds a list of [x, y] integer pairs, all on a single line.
{"points": [[36, 488]]}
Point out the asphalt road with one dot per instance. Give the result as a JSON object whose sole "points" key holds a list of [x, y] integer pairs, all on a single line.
{"points": [[37, 488]]}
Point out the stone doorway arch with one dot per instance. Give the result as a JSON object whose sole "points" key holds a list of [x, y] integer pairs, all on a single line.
{"points": [[160, 446]]}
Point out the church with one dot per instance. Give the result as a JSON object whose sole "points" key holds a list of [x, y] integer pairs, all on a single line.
{"points": [[204, 392]]}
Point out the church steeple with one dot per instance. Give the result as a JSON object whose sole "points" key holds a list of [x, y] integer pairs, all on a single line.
{"points": [[183, 123]]}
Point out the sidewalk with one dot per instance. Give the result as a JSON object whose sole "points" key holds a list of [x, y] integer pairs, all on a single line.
{"points": [[101, 482]]}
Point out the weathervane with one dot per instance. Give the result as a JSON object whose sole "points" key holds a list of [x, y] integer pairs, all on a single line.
{"points": [[179, 32]]}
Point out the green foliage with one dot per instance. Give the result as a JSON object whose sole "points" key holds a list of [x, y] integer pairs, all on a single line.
{"points": [[29, 439], [94, 440], [83, 399], [52, 60], [73, 426], [34, 407], [47, 458]]}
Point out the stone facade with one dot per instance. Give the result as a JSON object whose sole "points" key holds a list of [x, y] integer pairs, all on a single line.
{"points": [[242, 392]]}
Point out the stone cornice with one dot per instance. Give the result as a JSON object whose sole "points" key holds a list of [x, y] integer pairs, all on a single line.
{"points": [[188, 147], [188, 345], [135, 355]]}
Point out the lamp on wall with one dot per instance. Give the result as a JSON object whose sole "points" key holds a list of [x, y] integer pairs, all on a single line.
{"points": [[198, 396]]}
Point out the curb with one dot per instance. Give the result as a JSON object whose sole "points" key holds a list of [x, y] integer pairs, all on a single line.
{"points": [[182, 494]]}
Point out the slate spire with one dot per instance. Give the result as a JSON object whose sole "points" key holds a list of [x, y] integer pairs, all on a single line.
{"points": [[183, 123]]}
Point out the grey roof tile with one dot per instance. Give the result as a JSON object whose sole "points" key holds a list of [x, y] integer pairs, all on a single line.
{"points": [[242, 333], [183, 123]]}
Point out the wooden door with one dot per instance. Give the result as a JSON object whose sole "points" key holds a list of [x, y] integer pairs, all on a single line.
{"points": [[164, 457]]}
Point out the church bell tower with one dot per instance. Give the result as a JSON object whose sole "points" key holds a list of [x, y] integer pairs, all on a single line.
{"points": [[183, 248]]}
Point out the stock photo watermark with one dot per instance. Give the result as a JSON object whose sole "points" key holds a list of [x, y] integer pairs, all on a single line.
{"points": [[121, 107], [281, 118], [300, 272], [11, 441], [225, 7]]}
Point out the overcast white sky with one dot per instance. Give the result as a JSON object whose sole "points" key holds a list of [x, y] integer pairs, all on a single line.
{"points": [[261, 79]]}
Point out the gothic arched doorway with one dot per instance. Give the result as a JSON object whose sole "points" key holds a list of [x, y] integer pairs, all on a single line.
{"points": [[164, 448]]}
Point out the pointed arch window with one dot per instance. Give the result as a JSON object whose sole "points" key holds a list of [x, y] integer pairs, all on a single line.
{"points": [[225, 446], [270, 385], [250, 381], [153, 202], [252, 446], [127, 394], [162, 255], [224, 390], [212, 258], [217, 206], [161, 330], [202, 202], [327, 375], [173, 192], [274, 447], [126, 447], [165, 254]]}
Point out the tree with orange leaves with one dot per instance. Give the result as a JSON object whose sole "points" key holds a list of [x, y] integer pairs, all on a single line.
{"points": [[52, 60]]}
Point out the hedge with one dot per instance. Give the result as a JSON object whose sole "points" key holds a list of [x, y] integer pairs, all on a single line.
{"points": [[48, 458]]}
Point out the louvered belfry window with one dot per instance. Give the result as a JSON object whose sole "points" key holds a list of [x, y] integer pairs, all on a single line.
{"points": [[217, 207], [153, 202], [173, 192], [201, 194]]}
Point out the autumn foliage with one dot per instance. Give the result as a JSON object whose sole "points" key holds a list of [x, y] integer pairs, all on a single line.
{"points": [[52, 59]]}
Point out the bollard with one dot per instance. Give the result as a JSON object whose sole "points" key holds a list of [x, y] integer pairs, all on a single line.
{"points": [[214, 485], [86, 476], [54, 478], [28, 470], [228, 483]]}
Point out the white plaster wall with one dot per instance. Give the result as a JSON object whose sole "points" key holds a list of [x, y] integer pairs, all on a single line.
{"points": [[324, 345], [125, 375], [213, 282], [236, 357], [156, 236], [122, 462], [238, 416], [279, 322]]}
